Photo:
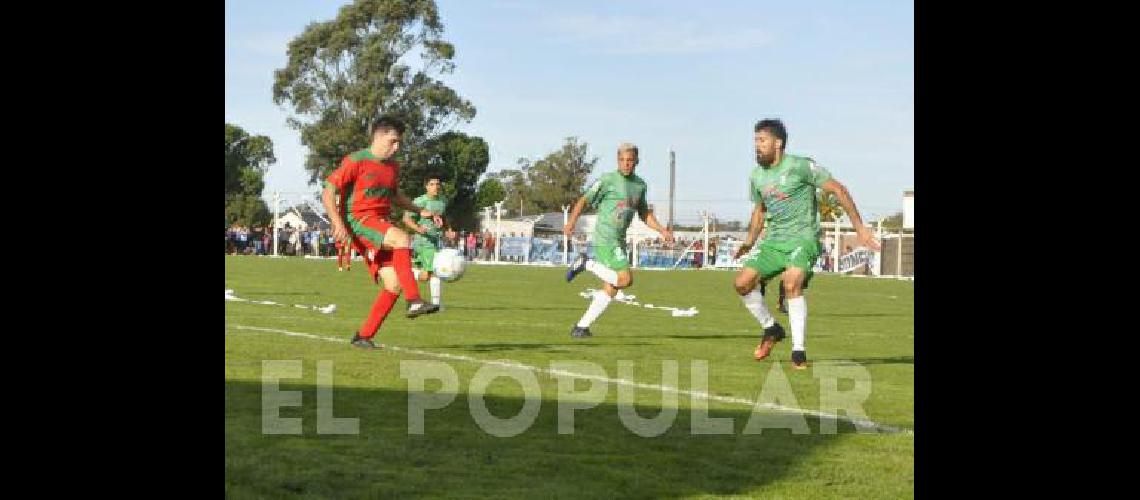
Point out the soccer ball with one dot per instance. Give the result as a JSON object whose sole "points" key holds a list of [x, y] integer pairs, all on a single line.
{"points": [[449, 265]]}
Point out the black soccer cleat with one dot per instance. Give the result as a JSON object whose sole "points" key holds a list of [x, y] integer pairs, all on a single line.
{"points": [[580, 333], [419, 308], [799, 360], [363, 343], [775, 332]]}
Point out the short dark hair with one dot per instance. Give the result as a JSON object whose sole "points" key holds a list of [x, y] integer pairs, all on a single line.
{"points": [[775, 127], [433, 176], [387, 122]]}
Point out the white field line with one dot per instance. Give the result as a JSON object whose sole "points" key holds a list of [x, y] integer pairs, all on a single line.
{"points": [[867, 424]]}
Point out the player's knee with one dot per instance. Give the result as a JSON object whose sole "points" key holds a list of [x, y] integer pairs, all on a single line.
{"points": [[793, 285], [742, 285], [624, 280], [397, 238]]}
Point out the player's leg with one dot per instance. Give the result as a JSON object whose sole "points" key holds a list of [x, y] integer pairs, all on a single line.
{"points": [[424, 260], [399, 243], [608, 259], [612, 263], [380, 308], [801, 259], [797, 314], [760, 265]]}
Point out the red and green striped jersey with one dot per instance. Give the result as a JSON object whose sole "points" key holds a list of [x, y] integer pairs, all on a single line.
{"points": [[366, 182]]}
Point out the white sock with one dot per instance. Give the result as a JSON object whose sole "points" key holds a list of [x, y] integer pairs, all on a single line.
{"points": [[797, 316], [597, 306], [754, 302], [434, 283], [606, 274], [416, 274]]}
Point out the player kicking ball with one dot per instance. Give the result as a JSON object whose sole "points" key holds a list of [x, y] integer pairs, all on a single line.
{"points": [[428, 238], [616, 196], [369, 179], [782, 187]]}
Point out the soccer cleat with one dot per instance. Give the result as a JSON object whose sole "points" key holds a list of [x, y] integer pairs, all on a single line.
{"points": [[580, 332], [363, 343], [799, 360], [420, 307], [772, 334], [576, 267]]}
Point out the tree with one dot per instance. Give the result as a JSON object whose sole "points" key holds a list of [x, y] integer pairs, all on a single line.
{"points": [[245, 152], [342, 74], [559, 178], [547, 184], [517, 185], [489, 191], [458, 160], [247, 159]]}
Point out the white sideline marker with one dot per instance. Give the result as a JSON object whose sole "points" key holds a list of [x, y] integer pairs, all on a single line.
{"points": [[629, 300]]}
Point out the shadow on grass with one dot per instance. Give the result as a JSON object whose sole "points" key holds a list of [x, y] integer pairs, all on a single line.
{"points": [[896, 360], [522, 346], [515, 308], [455, 456], [280, 293], [861, 315]]}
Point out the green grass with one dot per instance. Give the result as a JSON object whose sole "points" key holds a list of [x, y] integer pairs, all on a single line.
{"points": [[524, 315]]}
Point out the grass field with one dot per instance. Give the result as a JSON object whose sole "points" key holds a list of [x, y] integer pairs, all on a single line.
{"points": [[523, 315]]}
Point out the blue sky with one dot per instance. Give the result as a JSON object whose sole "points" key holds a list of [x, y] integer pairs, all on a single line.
{"points": [[659, 74]]}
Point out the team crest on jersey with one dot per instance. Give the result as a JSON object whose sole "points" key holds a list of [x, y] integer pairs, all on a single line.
{"points": [[771, 191], [378, 192]]}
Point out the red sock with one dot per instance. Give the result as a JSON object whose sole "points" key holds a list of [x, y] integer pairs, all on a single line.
{"points": [[380, 310], [402, 262]]}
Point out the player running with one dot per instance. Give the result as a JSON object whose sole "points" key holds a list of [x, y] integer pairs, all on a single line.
{"points": [[616, 196], [428, 238], [783, 188]]}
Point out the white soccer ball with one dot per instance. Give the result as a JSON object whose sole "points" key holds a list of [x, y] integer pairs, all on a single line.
{"points": [[449, 265]]}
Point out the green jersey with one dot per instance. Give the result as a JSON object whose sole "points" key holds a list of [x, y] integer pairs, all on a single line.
{"points": [[438, 205], [616, 198], [788, 192]]}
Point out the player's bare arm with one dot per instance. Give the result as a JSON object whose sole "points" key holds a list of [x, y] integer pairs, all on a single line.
{"points": [[568, 229], [411, 223], [848, 204], [651, 221], [755, 227], [402, 201], [328, 199]]}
